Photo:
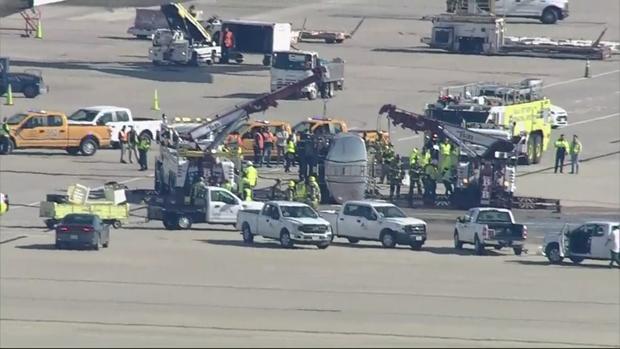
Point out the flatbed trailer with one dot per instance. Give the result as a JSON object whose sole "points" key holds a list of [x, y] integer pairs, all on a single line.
{"points": [[329, 36]]}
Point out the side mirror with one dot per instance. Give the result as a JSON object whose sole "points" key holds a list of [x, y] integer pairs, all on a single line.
{"points": [[275, 215], [372, 217], [460, 219]]}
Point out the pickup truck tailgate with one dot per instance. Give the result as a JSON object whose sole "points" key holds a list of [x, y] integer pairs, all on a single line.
{"points": [[506, 231]]}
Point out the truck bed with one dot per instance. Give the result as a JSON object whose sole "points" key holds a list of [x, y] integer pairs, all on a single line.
{"points": [[506, 231]]}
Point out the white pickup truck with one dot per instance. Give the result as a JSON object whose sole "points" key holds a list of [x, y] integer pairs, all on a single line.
{"points": [[587, 241], [376, 221], [213, 206], [287, 221], [115, 118], [489, 226]]}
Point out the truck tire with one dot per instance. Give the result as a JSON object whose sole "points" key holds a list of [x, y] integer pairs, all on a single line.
{"points": [[73, 150], [549, 16], [387, 239], [531, 150], [117, 224], [183, 222], [458, 244], [538, 148], [7, 146], [248, 237], [285, 239], [30, 91], [416, 246], [353, 240], [553, 254], [323, 245], [478, 247], [517, 250], [88, 147], [311, 95], [575, 260], [339, 41]]}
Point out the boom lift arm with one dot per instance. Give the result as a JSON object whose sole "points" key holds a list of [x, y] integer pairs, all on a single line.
{"points": [[224, 123], [460, 136]]}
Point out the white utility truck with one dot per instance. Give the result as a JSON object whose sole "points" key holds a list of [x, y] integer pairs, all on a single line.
{"points": [[376, 221], [256, 37], [115, 118], [288, 67], [287, 221], [186, 42], [587, 241], [489, 226], [214, 205], [547, 11]]}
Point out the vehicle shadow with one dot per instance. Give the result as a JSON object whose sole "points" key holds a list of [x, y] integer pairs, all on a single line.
{"points": [[66, 174], [563, 264], [147, 71], [239, 95], [37, 247], [463, 252], [239, 243], [30, 227], [367, 246], [125, 38]]}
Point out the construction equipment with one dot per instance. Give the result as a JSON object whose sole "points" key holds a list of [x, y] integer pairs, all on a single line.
{"points": [[486, 171], [518, 111], [328, 36], [472, 30], [188, 154], [186, 41]]}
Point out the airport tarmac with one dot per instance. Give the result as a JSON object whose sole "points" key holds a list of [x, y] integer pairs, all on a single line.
{"points": [[204, 288]]}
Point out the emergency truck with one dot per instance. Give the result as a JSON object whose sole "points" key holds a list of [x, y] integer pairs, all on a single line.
{"points": [[518, 111]]}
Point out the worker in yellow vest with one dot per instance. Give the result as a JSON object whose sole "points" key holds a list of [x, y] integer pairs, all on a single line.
{"points": [[314, 193], [561, 148], [290, 191], [445, 148], [291, 149], [301, 191], [4, 203], [575, 151]]}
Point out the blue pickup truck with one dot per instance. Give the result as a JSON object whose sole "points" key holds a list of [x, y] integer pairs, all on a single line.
{"points": [[30, 82]]}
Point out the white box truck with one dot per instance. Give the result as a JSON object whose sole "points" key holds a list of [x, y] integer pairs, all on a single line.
{"points": [[255, 37]]}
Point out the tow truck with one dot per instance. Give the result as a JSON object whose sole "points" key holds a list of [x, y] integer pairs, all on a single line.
{"points": [[188, 154], [486, 170], [186, 42]]}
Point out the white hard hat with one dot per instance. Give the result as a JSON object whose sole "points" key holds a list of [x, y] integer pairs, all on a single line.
{"points": [[250, 163]]}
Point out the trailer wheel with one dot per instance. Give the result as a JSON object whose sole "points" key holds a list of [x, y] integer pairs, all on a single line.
{"points": [[311, 95], [117, 224]]}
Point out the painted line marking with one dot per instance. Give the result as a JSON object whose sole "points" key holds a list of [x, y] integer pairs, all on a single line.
{"points": [[580, 79], [592, 120], [407, 138]]}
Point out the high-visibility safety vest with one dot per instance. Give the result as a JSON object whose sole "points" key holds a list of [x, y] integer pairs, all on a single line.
{"points": [[122, 136], [4, 203], [300, 192], [575, 147], [431, 172], [144, 145], [413, 157], [290, 147], [425, 159], [252, 175], [562, 144], [234, 143], [445, 148], [227, 186], [5, 130]]}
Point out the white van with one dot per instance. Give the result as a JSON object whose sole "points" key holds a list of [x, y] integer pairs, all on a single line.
{"points": [[547, 11]]}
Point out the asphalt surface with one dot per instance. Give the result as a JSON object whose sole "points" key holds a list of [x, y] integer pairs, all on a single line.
{"points": [[205, 288]]}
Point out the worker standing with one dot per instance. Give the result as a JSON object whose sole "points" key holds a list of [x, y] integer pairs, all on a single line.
{"points": [[431, 175], [575, 150], [446, 179], [290, 154], [4, 203], [227, 185], [234, 143], [281, 142], [387, 156], [198, 189], [314, 192], [143, 147], [132, 144], [290, 191], [395, 177], [258, 147], [251, 179], [268, 140], [445, 149], [5, 134], [414, 173], [301, 191], [229, 44], [122, 141], [561, 147]]}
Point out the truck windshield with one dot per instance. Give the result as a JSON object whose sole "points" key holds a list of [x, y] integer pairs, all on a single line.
{"points": [[298, 212], [390, 212], [83, 115], [16, 119], [292, 61], [494, 217], [303, 127]]}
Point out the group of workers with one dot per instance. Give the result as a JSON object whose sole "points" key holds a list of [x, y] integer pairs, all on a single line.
{"points": [[135, 146], [563, 147]]}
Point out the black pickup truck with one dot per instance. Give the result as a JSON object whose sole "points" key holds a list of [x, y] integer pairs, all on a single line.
{"points": [[30, 82]]}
